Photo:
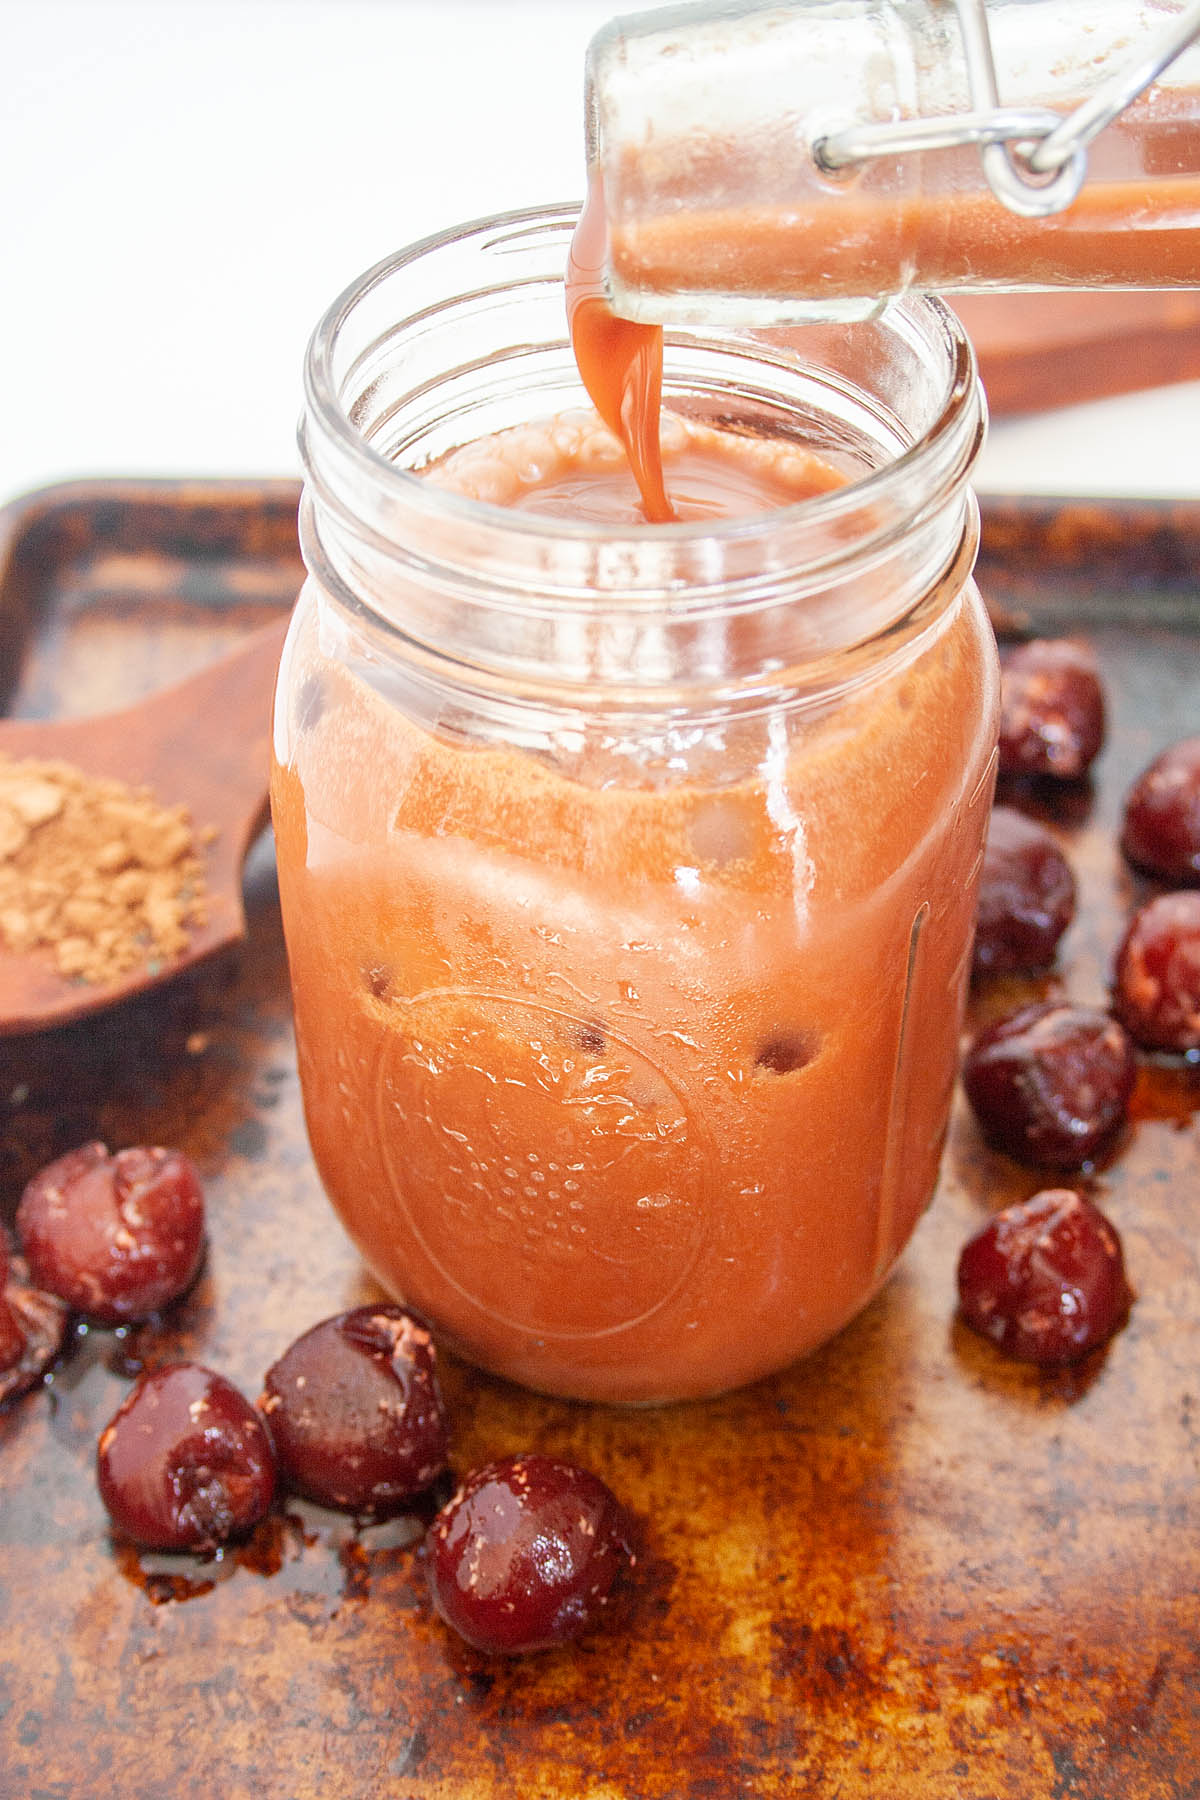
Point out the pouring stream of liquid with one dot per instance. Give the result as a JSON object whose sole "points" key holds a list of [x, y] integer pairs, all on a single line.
{"points": [[620, 362]]}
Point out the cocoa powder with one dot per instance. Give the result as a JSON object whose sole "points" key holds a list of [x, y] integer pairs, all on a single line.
{"points": [[97, 875]]}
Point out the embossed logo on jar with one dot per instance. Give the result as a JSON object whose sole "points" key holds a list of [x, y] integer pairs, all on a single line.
{"points": [[554, 1173]]}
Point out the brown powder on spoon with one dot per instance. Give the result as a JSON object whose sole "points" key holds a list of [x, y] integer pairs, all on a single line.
{"points": [[97, 875]]}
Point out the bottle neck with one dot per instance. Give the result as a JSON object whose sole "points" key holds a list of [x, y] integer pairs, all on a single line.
{"points": [[708, 135]]}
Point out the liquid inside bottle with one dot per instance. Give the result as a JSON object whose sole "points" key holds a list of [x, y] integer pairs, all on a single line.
{"points": [[708, 131]]}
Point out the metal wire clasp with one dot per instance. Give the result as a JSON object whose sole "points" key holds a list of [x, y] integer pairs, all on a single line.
{"points": [[1034, 159]]}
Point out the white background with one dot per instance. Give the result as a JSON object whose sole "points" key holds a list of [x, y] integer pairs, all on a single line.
{"points": [[186, 184]]}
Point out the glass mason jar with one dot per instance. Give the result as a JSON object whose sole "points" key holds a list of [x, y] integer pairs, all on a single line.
{"points": [[628, 876]]}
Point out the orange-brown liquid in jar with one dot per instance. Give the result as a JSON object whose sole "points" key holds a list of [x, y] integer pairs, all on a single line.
{"points": [[634, 1078]]}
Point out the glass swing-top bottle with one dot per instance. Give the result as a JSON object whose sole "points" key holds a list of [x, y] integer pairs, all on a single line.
{"points": [[769, 164]]}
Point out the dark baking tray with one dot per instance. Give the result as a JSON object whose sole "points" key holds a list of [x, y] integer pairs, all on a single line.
{"points": [[903, 1569]]}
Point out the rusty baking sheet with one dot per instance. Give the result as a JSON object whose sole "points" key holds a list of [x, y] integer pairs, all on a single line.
{"points": [[904, 1570]]}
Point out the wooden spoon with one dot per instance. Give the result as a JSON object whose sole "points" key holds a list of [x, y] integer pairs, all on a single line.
{"points": [[205, 744]]}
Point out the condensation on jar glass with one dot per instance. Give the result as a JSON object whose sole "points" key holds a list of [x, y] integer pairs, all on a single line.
{"points": [[628, 872]]}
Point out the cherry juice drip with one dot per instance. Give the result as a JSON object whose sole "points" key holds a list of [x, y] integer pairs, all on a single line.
{"points": [[620, 362]]}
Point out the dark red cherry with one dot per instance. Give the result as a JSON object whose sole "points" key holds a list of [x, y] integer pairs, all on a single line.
{"points": [[1157, 989], [1026, 896], [355, 1411], [1161, 829], [1051, 709], [1045, 1280], [185, 1463], [526, 1553], [1051, 1084], [33, 1327], [117, 1237], [12, 1343]]}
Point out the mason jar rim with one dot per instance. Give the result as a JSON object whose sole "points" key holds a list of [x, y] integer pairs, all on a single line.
{"points": [[453, 339], [959, 415]]}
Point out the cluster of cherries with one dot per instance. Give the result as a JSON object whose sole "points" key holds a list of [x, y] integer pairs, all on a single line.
{"points": [[524, 1555], [1051, 1084]]}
